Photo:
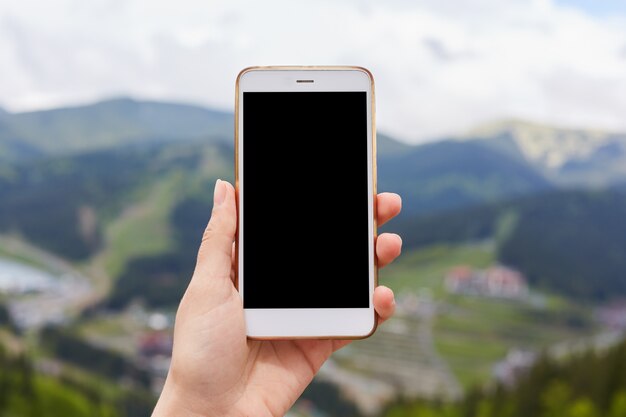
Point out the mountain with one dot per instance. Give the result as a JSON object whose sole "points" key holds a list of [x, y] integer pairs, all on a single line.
{"points": [[386, 145], [119, 122], [563, 240], [499, 161], [91, 166], [112, 123], [568, 242], [563, 157], [12, 146], [124, 188], [436, 176], [139, 208], [450, 174], [567, 157]]}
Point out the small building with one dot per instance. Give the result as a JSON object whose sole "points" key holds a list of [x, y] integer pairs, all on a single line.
{"points": [[497, 281], [461, 279], [505, 282], [612, 316]]}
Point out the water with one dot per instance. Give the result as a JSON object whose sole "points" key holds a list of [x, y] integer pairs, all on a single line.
{"points": [[37, 297], [19, 278]]}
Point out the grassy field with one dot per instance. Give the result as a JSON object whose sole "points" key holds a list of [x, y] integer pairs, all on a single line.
{"points": [[425, 268], [472, 333], [143, 228]]}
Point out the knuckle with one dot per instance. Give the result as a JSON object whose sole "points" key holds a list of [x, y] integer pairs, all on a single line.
{"points": [[209, 232]]}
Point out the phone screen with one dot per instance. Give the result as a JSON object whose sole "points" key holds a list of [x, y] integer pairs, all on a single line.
{"points": [[292, 235]]}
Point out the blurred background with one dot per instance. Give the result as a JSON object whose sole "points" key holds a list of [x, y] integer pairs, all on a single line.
{"points": [[502, 125]]}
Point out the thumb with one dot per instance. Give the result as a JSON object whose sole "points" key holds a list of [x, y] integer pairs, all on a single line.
{"points": [[214, 256]]}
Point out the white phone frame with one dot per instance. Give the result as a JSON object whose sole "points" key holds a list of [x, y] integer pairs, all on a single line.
{"points": [[323, 323]]}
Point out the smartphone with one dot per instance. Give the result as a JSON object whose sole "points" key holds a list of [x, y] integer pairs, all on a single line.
{"points": [[306, 182]]}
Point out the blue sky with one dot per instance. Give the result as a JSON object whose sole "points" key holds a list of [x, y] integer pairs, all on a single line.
{"points": [[441, 67], [598, 7]]}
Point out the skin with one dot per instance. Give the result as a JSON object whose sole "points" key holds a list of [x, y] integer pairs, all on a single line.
{"points": [[215, 370]]}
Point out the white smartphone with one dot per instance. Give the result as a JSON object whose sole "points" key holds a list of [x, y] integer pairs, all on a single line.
{"points": [[306, 180]]}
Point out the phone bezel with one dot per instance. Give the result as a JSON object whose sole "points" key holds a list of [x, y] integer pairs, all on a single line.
{"points": [[339, 323]]}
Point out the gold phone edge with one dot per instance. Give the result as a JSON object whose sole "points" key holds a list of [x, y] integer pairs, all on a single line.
{"points": [[374, 184]]}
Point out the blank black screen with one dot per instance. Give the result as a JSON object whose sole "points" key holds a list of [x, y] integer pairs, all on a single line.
{"points": [[291, 235]]}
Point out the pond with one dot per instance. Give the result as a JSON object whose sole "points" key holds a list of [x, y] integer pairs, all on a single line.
{"points": [[19, 278], [36, 297]]}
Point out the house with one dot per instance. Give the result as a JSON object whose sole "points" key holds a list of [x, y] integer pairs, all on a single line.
{"points": [[613, 316], [497, 281], [505, 282], [461, 279]]}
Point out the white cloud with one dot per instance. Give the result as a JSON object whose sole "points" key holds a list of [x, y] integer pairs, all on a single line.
{"points": [[440, 67]]}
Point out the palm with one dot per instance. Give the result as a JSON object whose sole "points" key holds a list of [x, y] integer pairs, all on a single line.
{"points": [[250, 373], [284, 367]]}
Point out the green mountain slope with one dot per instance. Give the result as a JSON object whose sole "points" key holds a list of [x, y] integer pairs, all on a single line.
{"points": [[386, 146], [12, 147], [103, 202], [113, 123], [102, 198], [64, 204], [139, 210], [574, 243], [462, 320], [436, 176], [570, 242], [450, 174]]}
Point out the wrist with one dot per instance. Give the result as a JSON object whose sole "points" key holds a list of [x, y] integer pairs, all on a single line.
{"points": [[179, 401], [174, 402]]}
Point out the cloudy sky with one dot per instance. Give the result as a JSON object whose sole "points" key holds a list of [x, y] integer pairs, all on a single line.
{"points": [[441, 67]]}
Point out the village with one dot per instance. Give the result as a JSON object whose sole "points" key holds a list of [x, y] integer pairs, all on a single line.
{"points": [[402, 357]]}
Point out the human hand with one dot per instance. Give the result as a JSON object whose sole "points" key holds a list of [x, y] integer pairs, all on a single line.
{"points": [[215, 370]]}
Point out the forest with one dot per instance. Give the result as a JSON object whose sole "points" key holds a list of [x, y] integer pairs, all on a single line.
{"points": [[569, 242]]}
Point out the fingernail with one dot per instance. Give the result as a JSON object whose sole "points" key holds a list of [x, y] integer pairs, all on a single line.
{"points": [[219, 194]]}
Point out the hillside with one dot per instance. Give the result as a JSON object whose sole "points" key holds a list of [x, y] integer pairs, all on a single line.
{"points": [[451, 324], [569, 242], [451, 174], [12, 147], [122, 189], [497, 161], [587, 385], [136, 198], [110, 123], [34, 385], [140, 150], [569, 157], [89, 199], [139, 210], [386, 146]]}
